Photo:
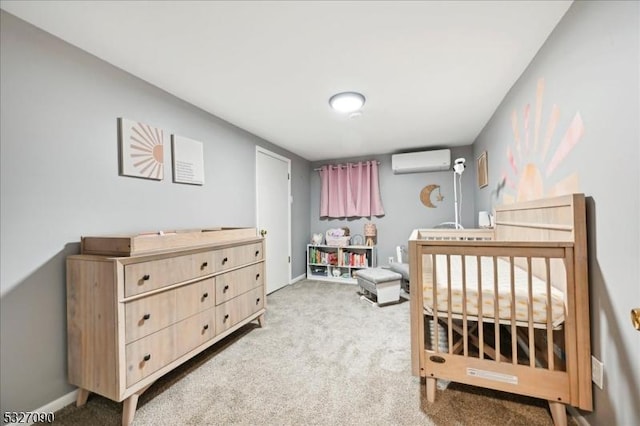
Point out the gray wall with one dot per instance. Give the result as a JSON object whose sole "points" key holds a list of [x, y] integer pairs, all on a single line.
{"points": [[60, 181], [404, 211], [591, 65], [300, 224]]}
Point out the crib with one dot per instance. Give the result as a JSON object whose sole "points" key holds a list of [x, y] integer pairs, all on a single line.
{"points": [[506, 308]]}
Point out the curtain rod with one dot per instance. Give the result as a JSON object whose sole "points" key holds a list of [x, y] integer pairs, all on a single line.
{"points": [[342, 165]]}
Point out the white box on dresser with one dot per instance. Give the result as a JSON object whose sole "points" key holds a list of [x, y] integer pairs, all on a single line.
{"points": [[135, 317]]}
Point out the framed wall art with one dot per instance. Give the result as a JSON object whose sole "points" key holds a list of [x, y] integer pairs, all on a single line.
{"points": [[141, 150], [188, 160], [481, 166]]}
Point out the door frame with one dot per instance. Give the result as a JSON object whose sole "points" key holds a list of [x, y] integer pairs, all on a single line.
{"points": [[261, 150]]}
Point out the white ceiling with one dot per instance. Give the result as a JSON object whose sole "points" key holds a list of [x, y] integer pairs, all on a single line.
{"points": [[433, 72]]}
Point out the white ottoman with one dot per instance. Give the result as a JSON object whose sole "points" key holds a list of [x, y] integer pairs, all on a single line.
{"points": [[385, 284]]}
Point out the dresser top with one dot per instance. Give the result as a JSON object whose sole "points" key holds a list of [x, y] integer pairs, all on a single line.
{"points": [[159, 242]]}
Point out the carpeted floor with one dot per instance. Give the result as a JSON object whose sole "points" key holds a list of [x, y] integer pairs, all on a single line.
{"points": [[324, 358]]}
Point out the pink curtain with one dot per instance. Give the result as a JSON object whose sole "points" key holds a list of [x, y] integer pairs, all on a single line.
{"points": [[350, 190]]}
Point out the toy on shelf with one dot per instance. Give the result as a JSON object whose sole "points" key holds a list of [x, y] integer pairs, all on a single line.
{"points": [[370, 232]]}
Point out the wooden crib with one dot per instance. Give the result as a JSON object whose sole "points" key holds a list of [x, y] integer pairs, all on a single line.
{"points": [[506, 308]]}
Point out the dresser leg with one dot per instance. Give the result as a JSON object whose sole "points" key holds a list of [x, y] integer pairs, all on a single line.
{"points": [[83, 394], [431, 389], [129, 409], [129, 406], [261, 321]]}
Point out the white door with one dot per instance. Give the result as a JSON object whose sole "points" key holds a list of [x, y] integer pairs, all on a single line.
{"points": [[273, 191]]}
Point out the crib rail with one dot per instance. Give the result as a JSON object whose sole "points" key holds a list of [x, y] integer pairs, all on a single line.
{"points": [[452, 234], [485, 346]]}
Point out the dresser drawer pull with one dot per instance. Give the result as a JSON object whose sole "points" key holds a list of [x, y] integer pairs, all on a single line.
{"points": [[204, 296], [226, 287], [257, 276], [146, 277], [225, 260], [147, 357], [204, 265], [146, 316], [206, 326], [226, 317], [257, 253], [257, 300]]}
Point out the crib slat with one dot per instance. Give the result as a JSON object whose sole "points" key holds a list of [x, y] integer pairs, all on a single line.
{"points": [[514, 340], [435, 343], [464, 306], [550, 362], [570, 341], [532, 346], [496, 308], [480, 324], [449, 314]]}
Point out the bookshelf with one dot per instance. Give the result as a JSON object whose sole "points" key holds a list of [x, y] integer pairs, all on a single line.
{"points": [[338, 264]]}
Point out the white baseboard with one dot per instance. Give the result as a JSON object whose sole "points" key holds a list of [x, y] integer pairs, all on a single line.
{"points": [[577, 416], [298, 278], [53, 406]]}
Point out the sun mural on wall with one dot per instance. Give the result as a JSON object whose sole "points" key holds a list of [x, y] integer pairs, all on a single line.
{"points": [[533, 159]]}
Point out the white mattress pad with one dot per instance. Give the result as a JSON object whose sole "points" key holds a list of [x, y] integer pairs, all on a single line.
{"points": [[504, 298]]}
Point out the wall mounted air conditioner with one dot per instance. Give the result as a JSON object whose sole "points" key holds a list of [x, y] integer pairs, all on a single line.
{"points": [[425, 161]]}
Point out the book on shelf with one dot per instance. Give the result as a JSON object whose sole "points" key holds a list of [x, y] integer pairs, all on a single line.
{"points": [[338, 257], [322, 257], [355, 259]]}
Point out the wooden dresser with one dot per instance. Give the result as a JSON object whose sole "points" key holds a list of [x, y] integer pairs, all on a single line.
{"points": [[139, 306]]}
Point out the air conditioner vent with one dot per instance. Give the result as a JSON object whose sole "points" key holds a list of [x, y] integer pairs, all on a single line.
{"points": [[419, 162]]}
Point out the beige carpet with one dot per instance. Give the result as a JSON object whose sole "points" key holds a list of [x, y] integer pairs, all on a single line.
{"points": [[324, 358]]}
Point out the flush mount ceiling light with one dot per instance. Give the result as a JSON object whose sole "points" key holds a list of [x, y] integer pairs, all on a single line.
{"points": [[347, 101]]}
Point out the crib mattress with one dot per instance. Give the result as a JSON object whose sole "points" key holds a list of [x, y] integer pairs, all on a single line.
{"points": [[488, 291]]}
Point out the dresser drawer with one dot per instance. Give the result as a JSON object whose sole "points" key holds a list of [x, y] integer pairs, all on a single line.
{"points": [[154, 274], [151, 353], [150, 314], [235, 310], [236, 282], [194, 298], [237, 256]]}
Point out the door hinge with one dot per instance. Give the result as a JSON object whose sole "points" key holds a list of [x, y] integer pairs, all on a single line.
{"points": [[288, 176], [289, 259]]}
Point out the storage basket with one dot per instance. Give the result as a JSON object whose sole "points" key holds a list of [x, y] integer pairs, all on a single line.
{"points": [[337, 241]]}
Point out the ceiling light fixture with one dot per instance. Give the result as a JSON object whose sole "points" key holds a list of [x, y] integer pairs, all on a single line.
{"points": [[347, 101]]}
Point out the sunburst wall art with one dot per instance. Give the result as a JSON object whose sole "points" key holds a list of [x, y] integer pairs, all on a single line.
{"points": [[533, 159], [141, 150]]}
